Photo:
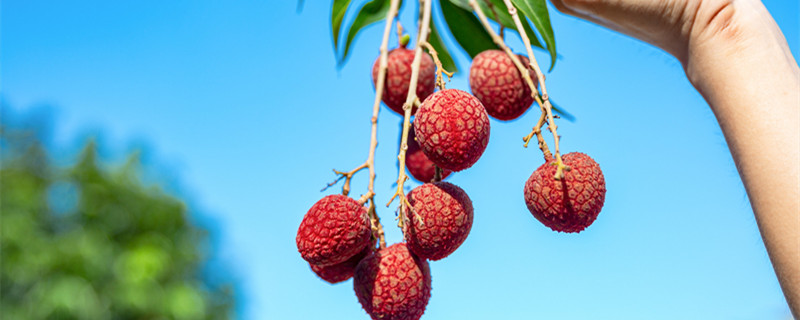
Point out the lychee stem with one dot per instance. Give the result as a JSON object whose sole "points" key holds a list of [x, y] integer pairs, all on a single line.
{"points": [[537, 131], [376, 107], [402, 38], [496, 17], [543, 100], [437, 173], [377, 228], [347, 176], [439, 69], [411, 99]]}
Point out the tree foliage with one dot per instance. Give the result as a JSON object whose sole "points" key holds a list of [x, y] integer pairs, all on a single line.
{"points": [[461, 22], [89, 242]]}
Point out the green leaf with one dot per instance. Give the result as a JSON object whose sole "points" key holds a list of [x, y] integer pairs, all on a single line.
{"points": [[338, 10], [466, 28], [500, 15], [536, 10], [463, 4], [441, 50], [370, 13]]}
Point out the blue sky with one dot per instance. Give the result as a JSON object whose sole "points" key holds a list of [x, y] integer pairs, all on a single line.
{"points": [[243, 105]]}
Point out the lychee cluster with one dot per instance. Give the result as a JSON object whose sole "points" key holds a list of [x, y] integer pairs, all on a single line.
{"points": [[393, 282], [450, 132]]}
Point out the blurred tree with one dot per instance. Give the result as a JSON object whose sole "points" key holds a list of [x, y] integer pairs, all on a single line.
{"points": [[88, 242]]}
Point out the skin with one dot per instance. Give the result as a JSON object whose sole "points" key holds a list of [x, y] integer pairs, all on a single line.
{"points": [[736, 56]]}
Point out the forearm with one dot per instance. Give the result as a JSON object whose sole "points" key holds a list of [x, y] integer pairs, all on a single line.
{"points": [[741, 64]]}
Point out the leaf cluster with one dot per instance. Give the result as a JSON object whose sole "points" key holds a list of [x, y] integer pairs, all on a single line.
{"points": [[461, 23]]}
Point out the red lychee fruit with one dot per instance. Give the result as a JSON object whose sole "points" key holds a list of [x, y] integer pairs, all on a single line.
{"points": [[572, 203], [418, 164], [498, 84], [393, 284], [398, 78], [341, 271], [452, 129], [440, 219], [334, 229]]}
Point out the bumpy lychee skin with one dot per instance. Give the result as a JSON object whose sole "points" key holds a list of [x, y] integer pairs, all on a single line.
{"points": [[498, 84], [572, 203], [418, 164], [441, 218], [398, 77], [334, 229], [393, 284], [452, 129], [341, 271]]}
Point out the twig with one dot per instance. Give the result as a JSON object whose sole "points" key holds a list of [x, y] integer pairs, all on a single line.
{"points": [[411, 99], [496, 17], [347, 176], [377, 228], [376, 107], [537, 131], [437, 173], [545, 97], [543, 100], [439, 69], [399, 32]]}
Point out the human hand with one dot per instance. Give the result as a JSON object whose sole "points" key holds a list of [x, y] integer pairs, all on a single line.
{"points": [[676, 26]]}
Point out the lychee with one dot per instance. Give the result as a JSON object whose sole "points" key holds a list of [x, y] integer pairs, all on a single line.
{"points": [[418, 164], [572, 203], [341, 271], [334, 229], [441, 218], [498, 84], [452, 129], [398, 78], [393, 284]]}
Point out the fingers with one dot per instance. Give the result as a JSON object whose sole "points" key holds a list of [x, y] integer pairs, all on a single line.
{"points": [[661, 23], [581, 9], [566, 6]]}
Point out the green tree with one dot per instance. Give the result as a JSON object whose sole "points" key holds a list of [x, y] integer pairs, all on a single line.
{"points": [[92, 242]]}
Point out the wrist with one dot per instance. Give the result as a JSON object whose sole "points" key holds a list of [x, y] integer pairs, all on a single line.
{"points": [[733, 43]]}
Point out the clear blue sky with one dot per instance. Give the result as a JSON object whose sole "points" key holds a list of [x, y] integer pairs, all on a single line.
{"points": [[243, 105]]}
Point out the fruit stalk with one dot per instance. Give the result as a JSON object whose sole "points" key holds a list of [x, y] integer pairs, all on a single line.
{"points": [[377, 228], [411, 100], [543, 100], [439, 69], [537, 131], [375, 222], [548, 108], [376, 107]]}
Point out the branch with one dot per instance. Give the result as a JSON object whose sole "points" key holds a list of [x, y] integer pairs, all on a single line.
{"points": [[377, 228], [411, 99], [439, 69], [347, 176], [543, 100]]}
